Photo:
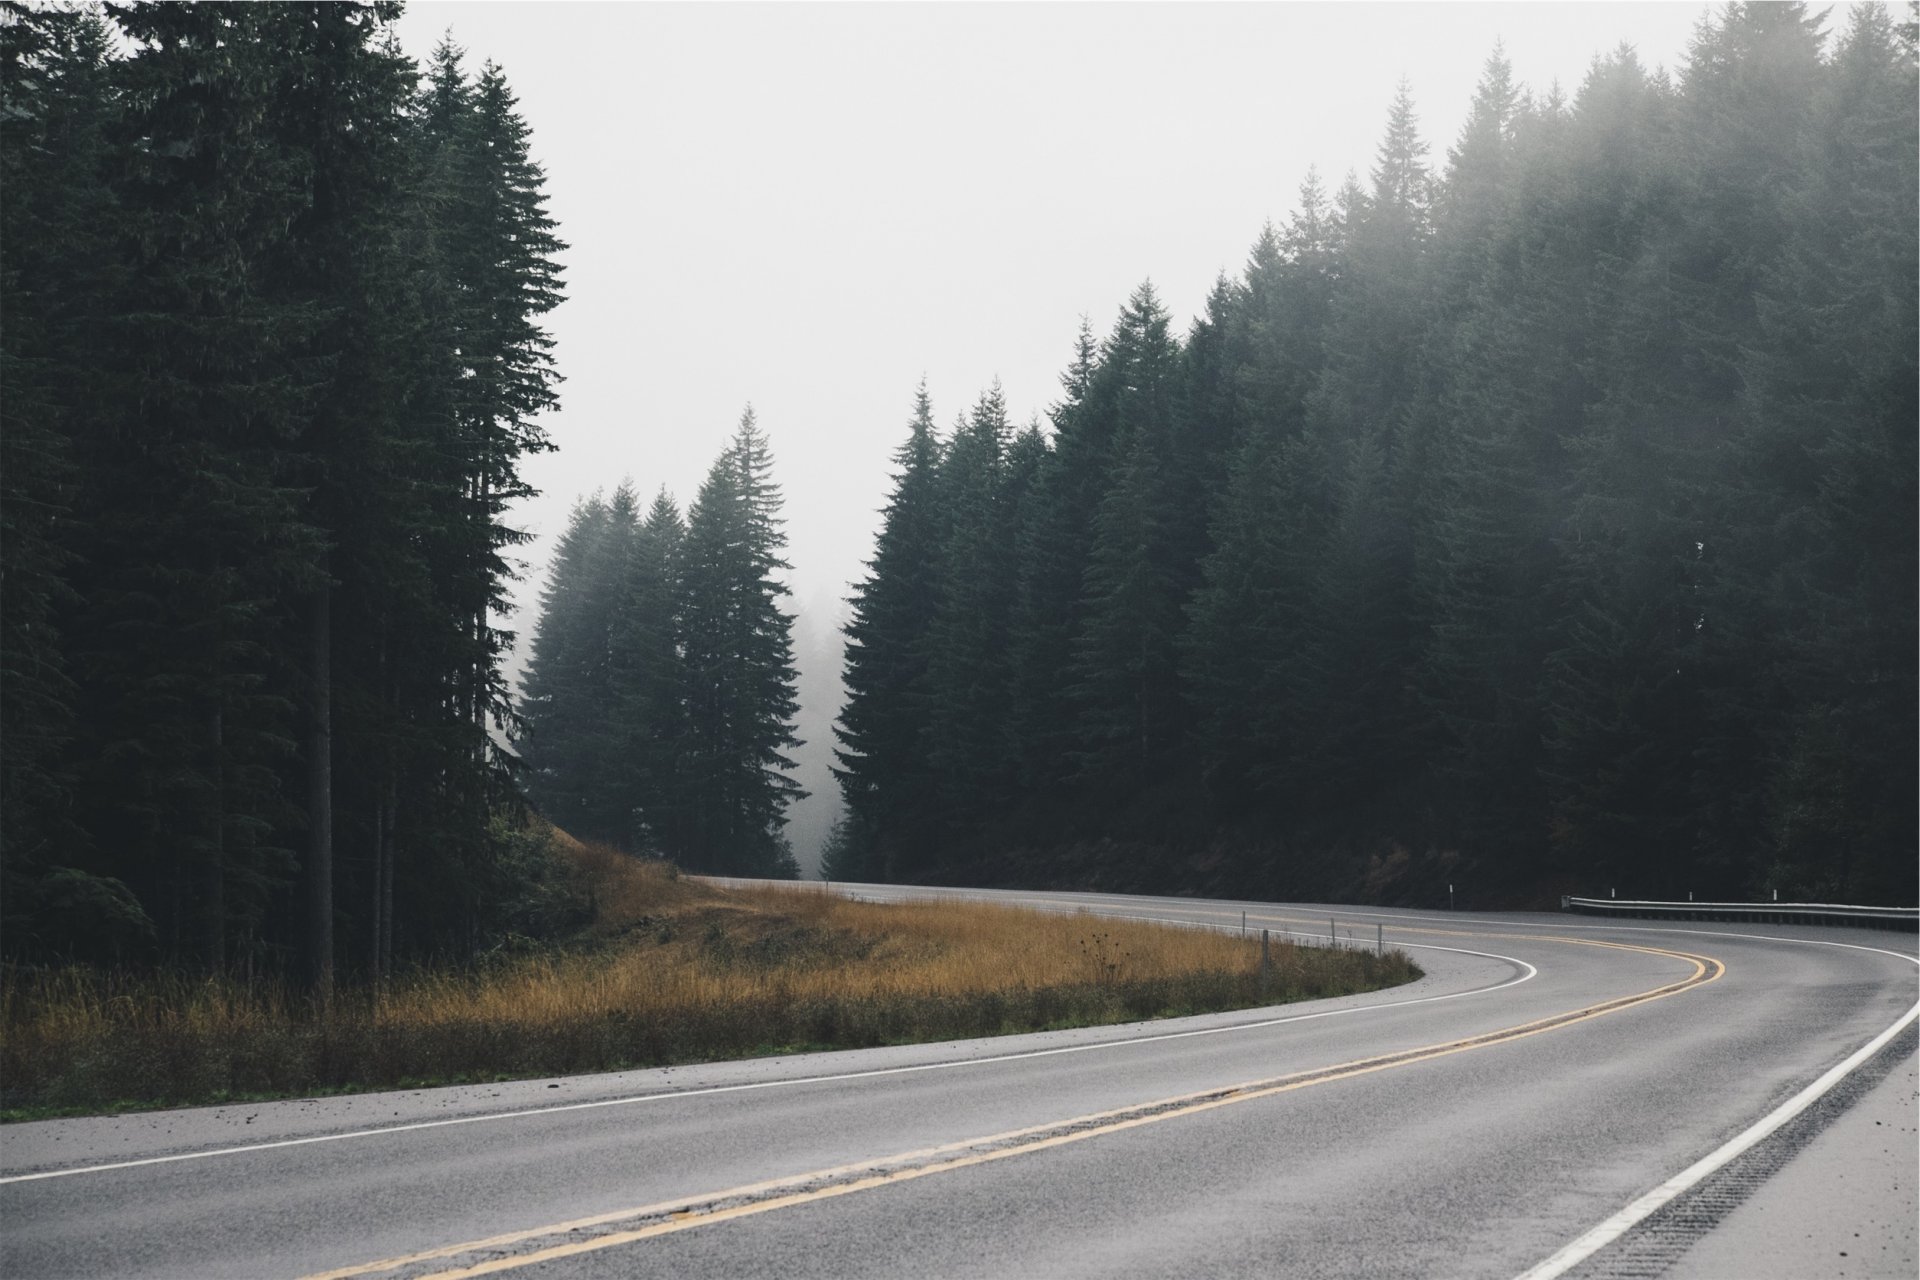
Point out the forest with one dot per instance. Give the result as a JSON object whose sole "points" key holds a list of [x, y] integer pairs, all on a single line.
{"points": [[273, 356], [1536, 520], [659, 702]]}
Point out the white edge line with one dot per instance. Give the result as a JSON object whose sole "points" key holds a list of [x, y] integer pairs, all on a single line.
{"points": [[1599, 1237], [672, 1095]]}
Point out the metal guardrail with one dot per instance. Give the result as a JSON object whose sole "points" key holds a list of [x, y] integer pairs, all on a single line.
{"points": [[1755, 912]]}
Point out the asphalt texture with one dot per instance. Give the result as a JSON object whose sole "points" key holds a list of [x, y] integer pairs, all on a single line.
{"points": [[1546, 1072]]}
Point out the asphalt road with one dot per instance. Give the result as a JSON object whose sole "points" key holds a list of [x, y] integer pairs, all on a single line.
{"points": [[1547, 1073]]}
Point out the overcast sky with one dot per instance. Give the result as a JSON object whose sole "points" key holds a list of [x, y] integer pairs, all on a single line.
{"points": [[810, 207]]}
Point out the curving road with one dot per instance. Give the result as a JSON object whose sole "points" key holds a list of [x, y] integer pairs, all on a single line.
{"points": [[1501, 1118]]}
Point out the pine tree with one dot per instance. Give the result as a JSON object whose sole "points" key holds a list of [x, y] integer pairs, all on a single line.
{"points": [[883, 768], [647, 680], [565, 710], [495, 251], [738, 656], [1622, 703], [1053, 565], [1241, 619], [1249, 613], [1130, 712], [195, 534], [240, 361], [487, 271], [1826, 458], [345, 110], [967, 677], [1507, 378], [1552, 521], [1345, 682], [56, 269], [602, 718]]}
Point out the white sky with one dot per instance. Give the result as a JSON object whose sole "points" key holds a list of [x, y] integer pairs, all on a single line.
{"points": [[811, 206]]}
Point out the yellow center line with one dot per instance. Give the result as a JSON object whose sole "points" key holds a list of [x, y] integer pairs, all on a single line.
{"points": [[685, 1213]]}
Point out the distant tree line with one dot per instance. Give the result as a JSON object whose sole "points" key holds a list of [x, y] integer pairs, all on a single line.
{"points": [[659, 701], [272, 358], [1544, 521]]}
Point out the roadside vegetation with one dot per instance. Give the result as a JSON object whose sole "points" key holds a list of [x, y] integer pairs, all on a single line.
{"points": [[667, 970]]}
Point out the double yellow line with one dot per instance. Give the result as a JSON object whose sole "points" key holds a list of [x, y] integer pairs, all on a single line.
{"points": [[669, 1216]]}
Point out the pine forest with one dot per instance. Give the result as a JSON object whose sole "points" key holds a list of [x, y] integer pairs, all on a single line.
{"points": [[273, 357], [1533, 513], [1539, 518]]}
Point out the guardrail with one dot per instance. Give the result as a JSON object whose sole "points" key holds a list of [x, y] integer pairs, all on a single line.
{"points": [[1755, 912]]}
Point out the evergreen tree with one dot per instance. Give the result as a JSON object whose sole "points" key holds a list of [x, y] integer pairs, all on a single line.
{"points": [[1826, 464], [1125, 660], [968, 680], [57, 104], [575, 747], [242, 389], [1053, 565], [345, 110], [1250, 611], [883, 768], [1549, 519], [487, 271], [195, 537], [1344, 682], [1508, 384], [646, 672], [498, 245], [738, 668]]}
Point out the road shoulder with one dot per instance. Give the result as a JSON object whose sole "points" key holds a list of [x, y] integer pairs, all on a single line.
{"points": [[1844, 1206]]}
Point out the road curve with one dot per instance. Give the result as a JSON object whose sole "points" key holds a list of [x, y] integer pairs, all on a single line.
{"points": [[1498, 1118]]}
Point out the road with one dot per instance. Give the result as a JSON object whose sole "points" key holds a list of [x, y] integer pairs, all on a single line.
{"points": [[1548, 1072]]}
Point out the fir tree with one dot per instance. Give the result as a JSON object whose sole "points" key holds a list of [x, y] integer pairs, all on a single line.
{"points": [[1053, 565], [738, 668], [575, 747], [645, 661], [1125, 659], [967, 678], [883, 768], [57, 103]]}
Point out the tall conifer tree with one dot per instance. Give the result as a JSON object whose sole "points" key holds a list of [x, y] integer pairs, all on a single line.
{"points": [[738, 654], [883, 768]]}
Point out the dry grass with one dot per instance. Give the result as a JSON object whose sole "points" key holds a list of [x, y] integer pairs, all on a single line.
{"points": [[672, 971]]}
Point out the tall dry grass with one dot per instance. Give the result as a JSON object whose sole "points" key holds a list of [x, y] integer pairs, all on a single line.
{"points": [[675, 971]]}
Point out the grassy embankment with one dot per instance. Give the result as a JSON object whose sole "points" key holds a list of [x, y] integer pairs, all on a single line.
{"points": [[670, 971]]}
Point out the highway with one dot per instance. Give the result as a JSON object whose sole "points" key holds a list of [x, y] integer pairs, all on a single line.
{"points": [[1499, 1118]]}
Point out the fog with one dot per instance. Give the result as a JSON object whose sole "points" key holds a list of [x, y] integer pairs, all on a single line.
{"points": [[811, 208]]}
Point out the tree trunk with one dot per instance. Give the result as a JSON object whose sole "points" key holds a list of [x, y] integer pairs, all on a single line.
{"points": [[379, 886], [378, 880], [319, 868], [390, 810], [483, 665], [215, 886]]}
